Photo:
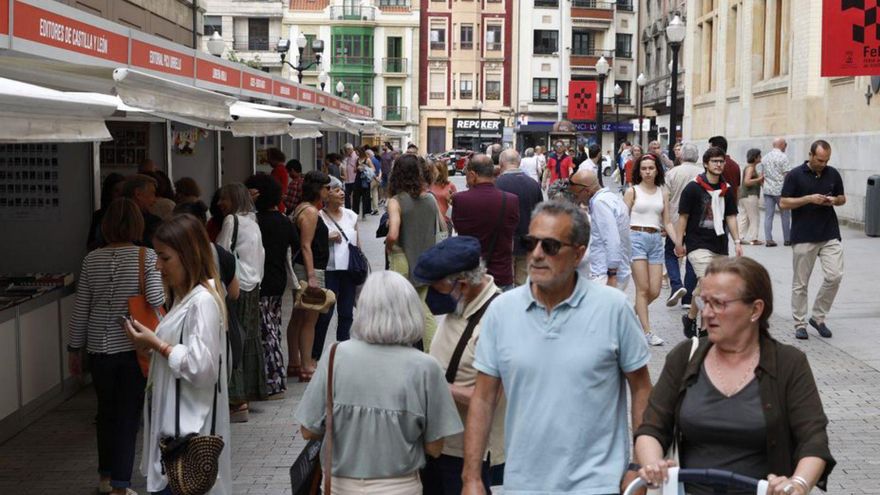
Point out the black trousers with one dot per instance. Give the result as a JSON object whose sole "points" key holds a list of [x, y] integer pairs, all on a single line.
{"points": [[349, 191], [361, 200], [119, 385]]}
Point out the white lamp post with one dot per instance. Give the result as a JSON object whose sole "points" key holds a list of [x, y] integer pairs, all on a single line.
{"points": [[675, 33]]}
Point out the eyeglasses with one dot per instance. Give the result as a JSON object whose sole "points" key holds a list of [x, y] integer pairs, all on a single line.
{"points": [[549, 245], [717, 161], [716, 305]]}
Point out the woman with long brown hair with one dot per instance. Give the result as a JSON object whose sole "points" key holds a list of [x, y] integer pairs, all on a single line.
{"points": [[188, 351]]}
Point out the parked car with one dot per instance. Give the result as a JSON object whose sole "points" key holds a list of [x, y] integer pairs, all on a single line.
{"points": [[453, 159]]}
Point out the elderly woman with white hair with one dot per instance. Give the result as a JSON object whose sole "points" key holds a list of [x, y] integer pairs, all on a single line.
{"points": [[529, 165], [391, 404]]}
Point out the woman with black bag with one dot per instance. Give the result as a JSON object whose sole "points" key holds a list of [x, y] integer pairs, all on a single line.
{"points": [[187, 391], [340, 278]]}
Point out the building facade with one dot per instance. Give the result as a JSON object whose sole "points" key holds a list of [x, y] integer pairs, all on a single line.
{"points": [[585, 30], [369, 47], [179, 21], [250, 28], [655, 59], [754, 74], [468, 74]]}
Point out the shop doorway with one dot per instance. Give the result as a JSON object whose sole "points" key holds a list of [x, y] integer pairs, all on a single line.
{"points": [[436, 139]]}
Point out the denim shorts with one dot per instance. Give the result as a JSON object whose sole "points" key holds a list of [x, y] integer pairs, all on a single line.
{"points": [[647, 246]]}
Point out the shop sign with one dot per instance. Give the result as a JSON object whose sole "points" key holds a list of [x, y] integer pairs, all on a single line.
{"points": [[284, 91], [211, 72], [153, 57], [334, 103], [258, 84], [323, 100], [55, 30], [307, 95], [4, 17], [488, 128], [850, 38], [582, 100]]}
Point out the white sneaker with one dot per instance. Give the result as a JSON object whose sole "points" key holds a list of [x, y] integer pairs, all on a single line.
{"points": [[653, 339], [676, 296]]}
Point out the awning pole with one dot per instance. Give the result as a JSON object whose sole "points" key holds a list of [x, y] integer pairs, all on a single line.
{"points": [[219, 160], [96, 174], [168, 154]]}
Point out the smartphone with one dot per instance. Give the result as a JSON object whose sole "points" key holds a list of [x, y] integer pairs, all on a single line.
{"points": [[122, 319]]}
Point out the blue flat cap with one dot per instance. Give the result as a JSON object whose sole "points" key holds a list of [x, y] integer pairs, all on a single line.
{"points": [[453, 255]]}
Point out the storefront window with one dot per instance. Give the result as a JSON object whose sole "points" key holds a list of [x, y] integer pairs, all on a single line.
{"points": [[544, 89]]}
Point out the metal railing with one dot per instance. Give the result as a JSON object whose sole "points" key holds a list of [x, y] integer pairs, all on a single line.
{"points": [[438, 45], [437, 95], [394, 65], [353, 61], [592, 52], [493, 46], [466, 95], [467, 45], [253, 44], [352, 13], [592, 4], [401, 4], [623, 53], [396, 114]]}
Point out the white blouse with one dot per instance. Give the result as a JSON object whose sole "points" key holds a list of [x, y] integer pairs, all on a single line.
{"points": [[248, 250], [339, 250], [197, 362]]}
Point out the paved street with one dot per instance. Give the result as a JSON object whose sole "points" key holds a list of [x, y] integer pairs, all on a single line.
{"points": [[57, 453]]}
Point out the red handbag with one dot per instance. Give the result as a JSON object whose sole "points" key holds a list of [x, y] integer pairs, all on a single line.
{"points": [[141, 310]]}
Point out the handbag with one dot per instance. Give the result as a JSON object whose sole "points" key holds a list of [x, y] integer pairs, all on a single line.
{"points": [[141, 310], [306, 471], [441, 229], [382, 229], [358, 266], [191, 463]]}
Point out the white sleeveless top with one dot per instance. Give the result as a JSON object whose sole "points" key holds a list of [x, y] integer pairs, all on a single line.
{"points": [[647, 210]]}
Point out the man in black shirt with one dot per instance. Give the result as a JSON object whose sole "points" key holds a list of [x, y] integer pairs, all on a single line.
{"points": [[812, 191], [707, 214]]}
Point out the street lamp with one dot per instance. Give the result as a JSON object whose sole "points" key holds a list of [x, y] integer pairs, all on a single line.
{"points": [[675, 33], [322, 78], [340, 89], [602, 70], [216, 45], [617, 92], [479, 126], [642, 81], [301, 42]]}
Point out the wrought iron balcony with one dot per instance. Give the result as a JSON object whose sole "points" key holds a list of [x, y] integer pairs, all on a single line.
{"points": [[395, 114], [352, 13], [395, 65]]}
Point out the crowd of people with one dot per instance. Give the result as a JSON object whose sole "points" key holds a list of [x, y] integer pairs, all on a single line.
{"points": [[497, 346]]}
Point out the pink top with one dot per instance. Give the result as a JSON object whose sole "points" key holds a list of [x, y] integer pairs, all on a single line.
{"points": [[442, 193]]}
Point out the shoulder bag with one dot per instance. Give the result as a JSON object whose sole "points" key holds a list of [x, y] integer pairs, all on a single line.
{"points": [[191, 463], [306, 471], [141, 310], [473, 321], [441, 228], [358, 265], [234, 333]]}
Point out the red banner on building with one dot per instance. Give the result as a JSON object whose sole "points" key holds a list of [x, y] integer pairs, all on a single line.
{"points": [[582, 100], [850, 38], [4, 17], [150, 56]]}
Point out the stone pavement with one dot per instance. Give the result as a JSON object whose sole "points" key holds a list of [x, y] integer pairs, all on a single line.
{"points": [[57, 454]]}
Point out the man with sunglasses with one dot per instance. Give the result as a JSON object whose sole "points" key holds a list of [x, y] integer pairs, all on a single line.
{"points": [[706, 215], [563, 349], [610, 246]]}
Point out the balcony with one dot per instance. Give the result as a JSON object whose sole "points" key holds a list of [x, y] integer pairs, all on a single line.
{"points": [[394, 5], [437, 95], [493, 47], [394, 65], [587, 59], [395, 114], [466, 45], [592, 10], [623, 53], [352, 13], [253, 44], [438, 45], [346, 60]]}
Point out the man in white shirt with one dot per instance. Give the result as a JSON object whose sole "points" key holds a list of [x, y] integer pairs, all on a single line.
{"points": [[776, 167], [529, 165]]}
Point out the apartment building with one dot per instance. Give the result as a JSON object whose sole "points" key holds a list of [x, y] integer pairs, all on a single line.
{"points": [[561, 41], [251, 29], [179, 21], [369, 46], [468, 73], [655, 59]]}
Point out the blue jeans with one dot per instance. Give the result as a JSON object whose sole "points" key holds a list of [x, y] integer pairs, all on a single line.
{"points": [[340, 282], [674, 272], [770, 204], [442, 476]]}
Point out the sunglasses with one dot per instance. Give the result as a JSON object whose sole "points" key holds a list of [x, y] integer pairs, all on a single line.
{"points": [[549, 245]]}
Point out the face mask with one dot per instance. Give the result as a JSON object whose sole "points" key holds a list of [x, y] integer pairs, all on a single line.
{"points": [[440, 303]]}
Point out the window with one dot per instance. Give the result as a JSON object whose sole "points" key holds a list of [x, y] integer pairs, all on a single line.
{"points": [[308, 52], [624, 45], [465, 87], [394, 53], [467, 36], [363, 86], [493, 90], [732, 74], [626, 5], [547, 3], [213, 24], [438, 86], [546, 41], [258, 34], [625, 97], [393, 103], [438, 38], [771, 28], [544, 90], [493, 37], [353, 49], [582, 42], [393, 3], [648, 66]]}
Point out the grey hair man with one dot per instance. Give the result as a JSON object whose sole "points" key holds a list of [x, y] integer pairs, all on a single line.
{"points": [[515, 181], [776, 166], [656, 148], [563, 349], [459, 287], [529, 165], [676, 180]]}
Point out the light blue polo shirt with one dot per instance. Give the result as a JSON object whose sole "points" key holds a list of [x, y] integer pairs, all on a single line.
{"points": [[566, 424]]}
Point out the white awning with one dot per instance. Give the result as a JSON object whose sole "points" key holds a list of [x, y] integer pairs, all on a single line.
{"points": [[384, 131], [157, 94], [368, 127], [329, 120], [30, 113]]}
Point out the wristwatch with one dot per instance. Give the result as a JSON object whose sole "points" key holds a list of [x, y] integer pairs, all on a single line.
{"points": [[737, 241], [633, 467], [611, 272]]}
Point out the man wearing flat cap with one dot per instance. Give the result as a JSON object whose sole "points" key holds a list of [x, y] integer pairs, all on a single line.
{"points": [[460, 288]]}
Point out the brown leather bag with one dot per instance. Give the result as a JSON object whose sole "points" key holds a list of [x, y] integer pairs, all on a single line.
{"points": [[141, 310]]}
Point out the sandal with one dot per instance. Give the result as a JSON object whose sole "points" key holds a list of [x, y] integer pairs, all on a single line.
{"points": [[305, 376], [757, 242], [293, 370]]}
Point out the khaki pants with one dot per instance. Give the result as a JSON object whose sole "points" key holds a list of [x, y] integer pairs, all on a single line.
{"points": [[402, 485], [520, 269], [830, 254], [374, 195], [748, 218], [397, 262], [700, 260]]}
